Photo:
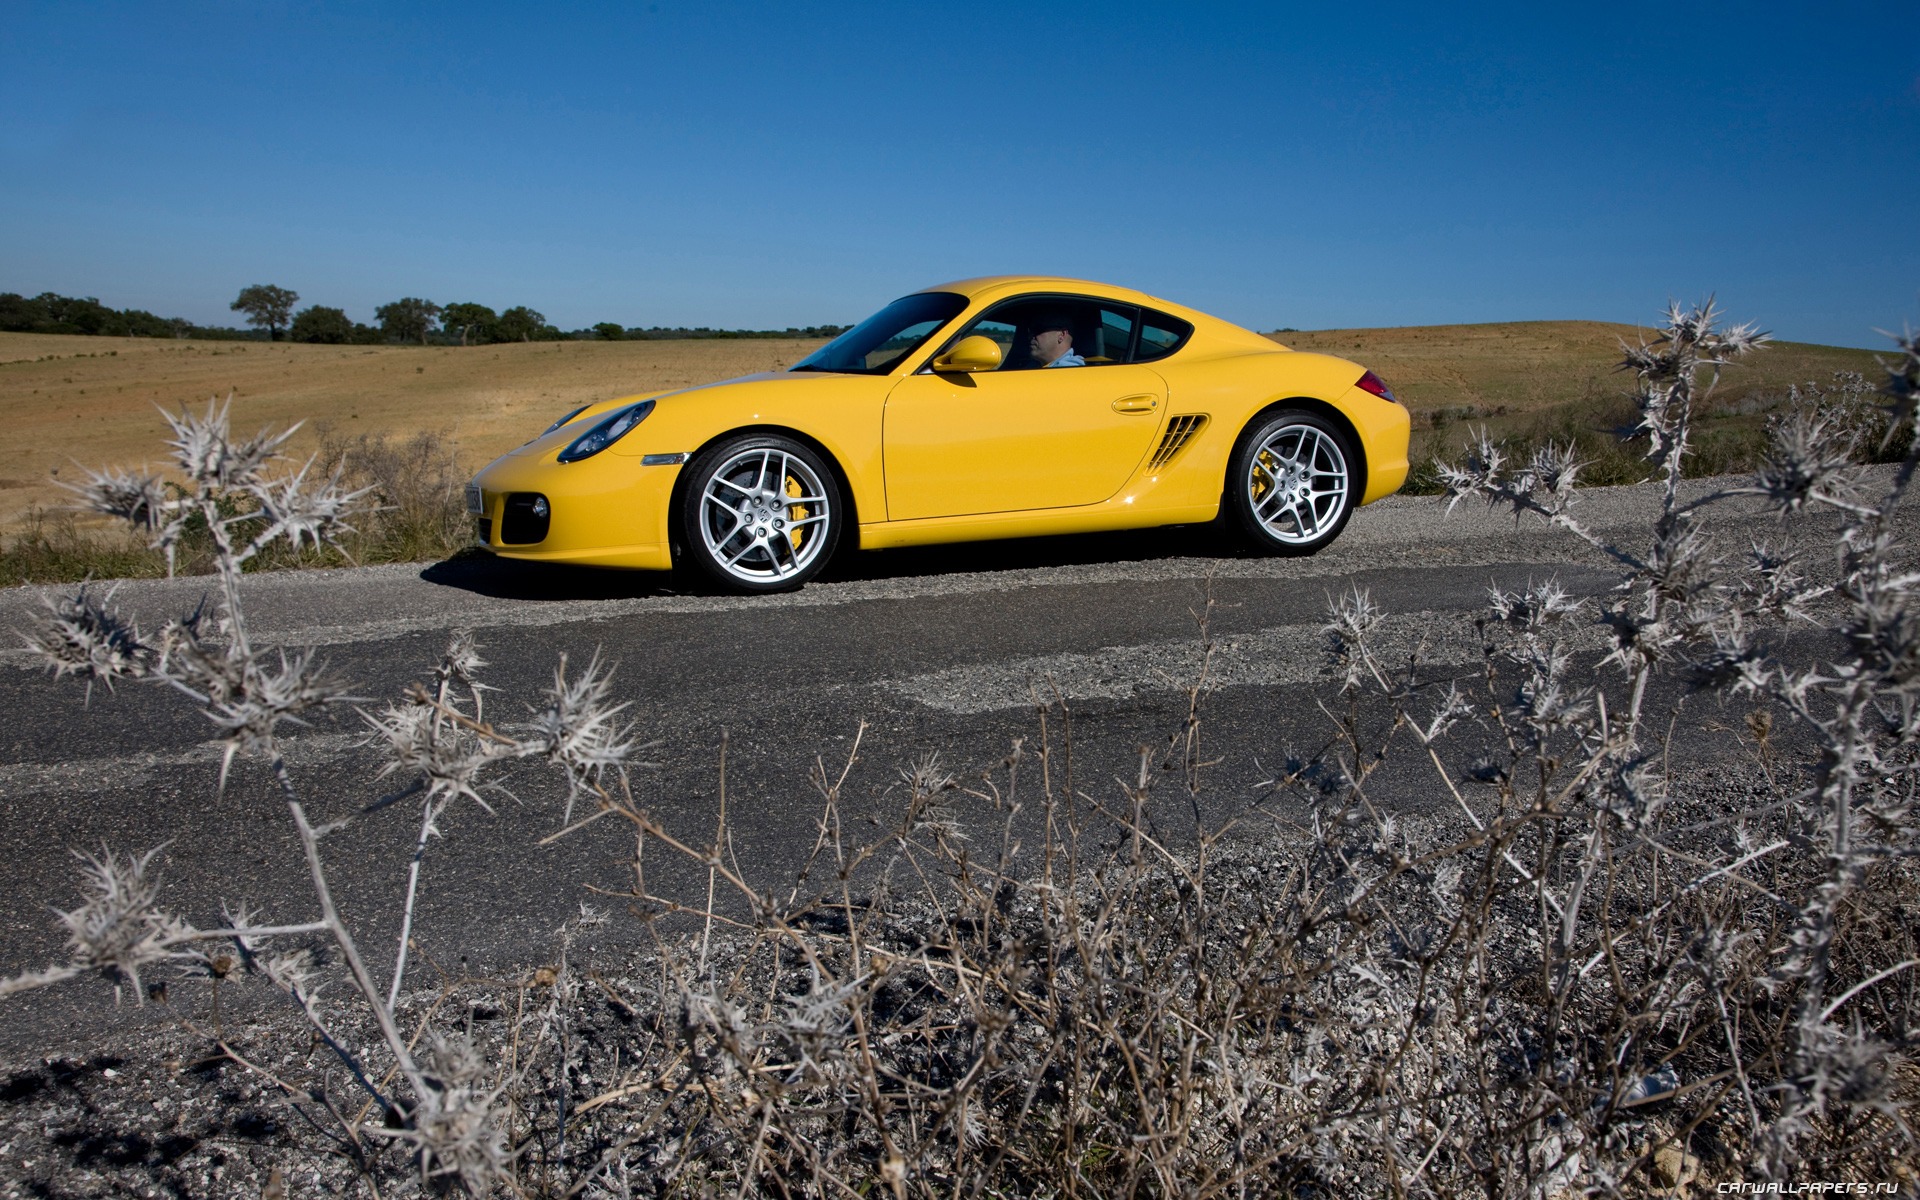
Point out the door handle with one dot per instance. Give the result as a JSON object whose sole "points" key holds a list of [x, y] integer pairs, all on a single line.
{"points": [[1136, 404]]}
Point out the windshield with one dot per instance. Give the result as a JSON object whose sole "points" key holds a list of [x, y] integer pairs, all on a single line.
{"points": [[877, 344]]}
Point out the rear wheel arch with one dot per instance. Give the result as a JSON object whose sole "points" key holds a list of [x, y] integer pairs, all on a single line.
{"points": [[1296, 473], [1319, 408]]}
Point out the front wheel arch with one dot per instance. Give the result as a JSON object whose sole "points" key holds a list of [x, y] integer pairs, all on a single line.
{"points": [[849, 535]]}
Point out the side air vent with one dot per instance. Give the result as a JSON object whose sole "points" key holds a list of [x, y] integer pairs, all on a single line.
{"points": [[1180, 431]]}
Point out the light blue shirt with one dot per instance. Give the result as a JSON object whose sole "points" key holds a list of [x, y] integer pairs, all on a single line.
{"points": [[1069, 359]]}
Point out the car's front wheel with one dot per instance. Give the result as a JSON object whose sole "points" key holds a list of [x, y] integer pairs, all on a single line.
{"points": [[1292, 482], [759, 513]]}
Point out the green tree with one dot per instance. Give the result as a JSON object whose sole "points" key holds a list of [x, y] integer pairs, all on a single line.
{"points": [[138, 322], [520, 325], [21, 315], [267, 305], [327, 326], [408, 319], [473, 322], [70, 314], [610, 332]]}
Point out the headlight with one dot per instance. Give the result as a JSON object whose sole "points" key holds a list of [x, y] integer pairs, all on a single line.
{"points": [[563, 420], [610, 429]]}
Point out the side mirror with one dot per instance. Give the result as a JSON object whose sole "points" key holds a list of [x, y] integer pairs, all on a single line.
{"points": [[969, 354]]}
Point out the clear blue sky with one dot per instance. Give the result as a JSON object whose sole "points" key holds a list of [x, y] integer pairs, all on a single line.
{"points": [[786, 164]]}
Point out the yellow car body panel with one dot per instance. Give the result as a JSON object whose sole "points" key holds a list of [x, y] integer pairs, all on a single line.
{"points": [[603, 518], [961, 445], [928, 458]]}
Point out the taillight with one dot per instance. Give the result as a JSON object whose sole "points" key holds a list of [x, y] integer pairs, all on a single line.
{"points": [[1373, 383]]}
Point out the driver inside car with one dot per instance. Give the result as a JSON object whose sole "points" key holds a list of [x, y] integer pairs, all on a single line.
{"points": [[1052, 343]]}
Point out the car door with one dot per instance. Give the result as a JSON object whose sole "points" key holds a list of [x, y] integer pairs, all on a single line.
{"points": [[1013, 440]]}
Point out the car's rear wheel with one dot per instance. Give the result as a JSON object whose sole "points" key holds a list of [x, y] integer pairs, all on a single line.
{"points": [[1292, 482], [759, 513]]}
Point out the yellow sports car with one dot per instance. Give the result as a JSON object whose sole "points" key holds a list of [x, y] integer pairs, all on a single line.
{"points": [[988, 408]]}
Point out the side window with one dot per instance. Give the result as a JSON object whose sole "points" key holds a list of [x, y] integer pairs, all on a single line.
{"points": [[1098, 334], [1112, 335], [1160, 335], [999, 330]]}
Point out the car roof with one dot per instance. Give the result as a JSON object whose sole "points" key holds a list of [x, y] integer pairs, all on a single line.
{"points": [[995, 287]]}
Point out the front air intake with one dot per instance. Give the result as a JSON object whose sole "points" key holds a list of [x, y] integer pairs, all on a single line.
{"points": [[1180, 431], [523, 519]]}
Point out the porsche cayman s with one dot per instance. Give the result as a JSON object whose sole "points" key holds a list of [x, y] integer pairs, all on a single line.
{"points": [[989, 408]]}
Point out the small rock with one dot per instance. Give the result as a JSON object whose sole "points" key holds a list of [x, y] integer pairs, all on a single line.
{"points": [[1674, 1167]]}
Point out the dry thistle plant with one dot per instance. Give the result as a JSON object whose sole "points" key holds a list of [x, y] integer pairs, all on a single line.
{"points": [[1582, 973], [447, 1111]]}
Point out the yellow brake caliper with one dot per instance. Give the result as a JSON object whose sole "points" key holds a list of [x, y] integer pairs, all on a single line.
{"points": [[796, 513], [1263, 476]]}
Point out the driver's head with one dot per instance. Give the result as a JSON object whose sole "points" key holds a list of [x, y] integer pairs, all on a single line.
{"points": [[1052, 337]]}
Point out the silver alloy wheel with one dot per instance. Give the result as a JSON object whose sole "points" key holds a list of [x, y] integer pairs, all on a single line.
{"points": [[1296, 483], [764, 515]]}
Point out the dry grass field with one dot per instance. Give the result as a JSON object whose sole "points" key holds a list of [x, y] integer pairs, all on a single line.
{"points": [[92, 400]]}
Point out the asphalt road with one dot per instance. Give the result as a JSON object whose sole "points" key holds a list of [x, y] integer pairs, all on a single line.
{"points": [[934, 651]]}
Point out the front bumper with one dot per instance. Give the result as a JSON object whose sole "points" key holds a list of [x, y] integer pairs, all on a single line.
{"points": [[606, 511]]}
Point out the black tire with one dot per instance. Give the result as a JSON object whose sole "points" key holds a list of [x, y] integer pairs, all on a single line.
{"points": [[1293, 482], [759, 513]]}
